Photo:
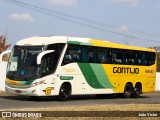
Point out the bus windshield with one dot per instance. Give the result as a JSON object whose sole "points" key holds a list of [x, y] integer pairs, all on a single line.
{"points": [[22, 65]]}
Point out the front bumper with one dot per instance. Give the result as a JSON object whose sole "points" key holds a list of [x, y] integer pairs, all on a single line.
{"points": [[32, 91]]}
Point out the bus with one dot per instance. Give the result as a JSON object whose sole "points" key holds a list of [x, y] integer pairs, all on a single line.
{"points": [[63, 66]]}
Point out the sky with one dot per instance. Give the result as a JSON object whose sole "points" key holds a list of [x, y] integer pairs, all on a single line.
{"points": [[131, 22]]}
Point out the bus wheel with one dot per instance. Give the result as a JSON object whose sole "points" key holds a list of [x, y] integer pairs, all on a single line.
{"points": [[137, 90], [64, 92], [128, 91]]}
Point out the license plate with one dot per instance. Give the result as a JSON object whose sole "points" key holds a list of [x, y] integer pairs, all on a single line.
{"points": [[17, 91]]}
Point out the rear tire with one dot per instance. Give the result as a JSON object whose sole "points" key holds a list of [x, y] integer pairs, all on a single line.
{"points": [[128, 90], [137, 90], [64, 92]]}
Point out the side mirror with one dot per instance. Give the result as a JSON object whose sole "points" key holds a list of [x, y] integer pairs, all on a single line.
{"points": [[4, 56], [39, 57]]}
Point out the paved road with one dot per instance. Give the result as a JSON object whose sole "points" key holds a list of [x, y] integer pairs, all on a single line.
{"points": [[20, 102]]}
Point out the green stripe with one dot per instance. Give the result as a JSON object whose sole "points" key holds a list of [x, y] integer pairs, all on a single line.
{"points": [[101, 75], [28, 82], [79, 43], [89, 75], [66, 77], [95, 75]]}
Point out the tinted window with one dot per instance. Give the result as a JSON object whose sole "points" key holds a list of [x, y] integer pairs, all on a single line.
{"points": [[101, 55], [130, 57], [73, 54], [88, 54], [117, 56], [150, 58]]}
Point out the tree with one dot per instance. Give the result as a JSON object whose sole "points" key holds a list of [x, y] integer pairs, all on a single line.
{"points": [[3, 45]]}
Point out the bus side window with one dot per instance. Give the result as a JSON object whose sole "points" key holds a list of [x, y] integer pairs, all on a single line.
{"points": [[47, 65], [130, 58], [150, 58], [91, 54], [84, 55], [138, 60], [109, 56], [101, 55], [144, 59], [67, 59], [117, 57], [88, 54], [73, 54]]}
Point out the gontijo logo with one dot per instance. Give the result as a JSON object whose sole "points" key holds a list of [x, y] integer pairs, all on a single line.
{"points": [[126, 70]]}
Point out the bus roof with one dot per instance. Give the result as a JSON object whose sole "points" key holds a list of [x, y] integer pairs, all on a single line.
{"points": [[35, 41], [42, 40]]}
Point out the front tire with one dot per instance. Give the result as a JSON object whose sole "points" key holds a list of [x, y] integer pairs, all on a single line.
{"points": [[64, 92]]}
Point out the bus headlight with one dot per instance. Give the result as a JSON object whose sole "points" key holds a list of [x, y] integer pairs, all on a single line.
{"points": [[37, 83]]}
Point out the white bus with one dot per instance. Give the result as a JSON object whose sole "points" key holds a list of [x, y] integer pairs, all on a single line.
{"points": [[63, 66]]}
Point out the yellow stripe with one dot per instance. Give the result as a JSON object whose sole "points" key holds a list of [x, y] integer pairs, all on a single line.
{"points": [[14, 82], [103, 43]]}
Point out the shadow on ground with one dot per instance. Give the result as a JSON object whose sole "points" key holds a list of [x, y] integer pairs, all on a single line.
{"points": [[72, 98]]}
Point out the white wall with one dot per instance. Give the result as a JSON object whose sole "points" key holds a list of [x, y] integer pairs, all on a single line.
{"points": [[3, 66], [157, 81]]}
